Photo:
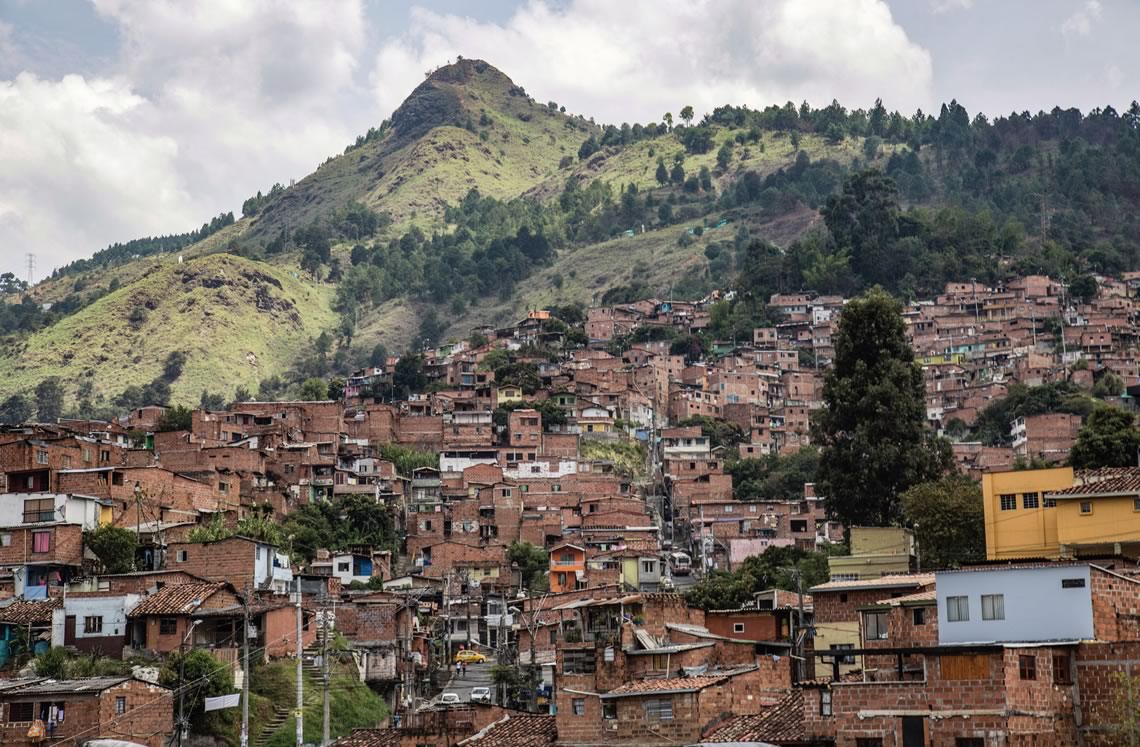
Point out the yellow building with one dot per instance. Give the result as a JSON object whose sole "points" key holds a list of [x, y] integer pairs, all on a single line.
{"points": [[875, 552], [1055, 513]]}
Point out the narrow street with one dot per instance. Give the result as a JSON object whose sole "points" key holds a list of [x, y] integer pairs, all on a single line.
{"points": [[478, 675]]}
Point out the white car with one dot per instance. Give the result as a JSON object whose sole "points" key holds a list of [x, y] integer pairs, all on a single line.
{"points": [[480, 695], [449, 698]]}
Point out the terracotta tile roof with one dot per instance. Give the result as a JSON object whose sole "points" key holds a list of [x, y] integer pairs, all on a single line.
{"points": [[922, 596], [369, 738], [179, 599], [780, 724], [1116, 481], [882, 582], [29, 612], [664, 685], [516, 730]]}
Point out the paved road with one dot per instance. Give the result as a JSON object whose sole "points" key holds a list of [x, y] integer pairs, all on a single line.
{"points": [[478, 675]]}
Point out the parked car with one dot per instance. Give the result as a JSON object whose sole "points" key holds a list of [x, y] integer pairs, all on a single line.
{"points": [[480, 695], [467, 656], [449, 698]]}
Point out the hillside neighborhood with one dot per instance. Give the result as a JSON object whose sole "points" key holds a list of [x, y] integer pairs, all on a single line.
{"points": [[524, 549]]}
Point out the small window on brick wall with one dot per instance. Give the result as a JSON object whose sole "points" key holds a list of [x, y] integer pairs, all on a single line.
{"points": [[20, 712], [1061, 671], [609, 709], [1027, 667], [579, 706]]}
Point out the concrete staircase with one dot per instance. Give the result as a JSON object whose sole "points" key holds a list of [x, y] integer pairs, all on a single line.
{"points": [[280, 716]]}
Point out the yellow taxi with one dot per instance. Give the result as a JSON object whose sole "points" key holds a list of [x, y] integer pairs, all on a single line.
{"points": [[467, 656]]}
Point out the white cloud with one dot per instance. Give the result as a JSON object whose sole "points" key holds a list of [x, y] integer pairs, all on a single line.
{"points": [[634, 60], [76, 167], [946, 6], [1080, 23], [207, 103]]}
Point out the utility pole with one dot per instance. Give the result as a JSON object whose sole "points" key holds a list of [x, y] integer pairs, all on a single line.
{"points": [[533, 697], [245, 669], [325, 672], [300, 715]]}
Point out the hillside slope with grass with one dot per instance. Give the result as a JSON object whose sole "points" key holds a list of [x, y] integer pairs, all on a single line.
{"points": [[236, 320]]}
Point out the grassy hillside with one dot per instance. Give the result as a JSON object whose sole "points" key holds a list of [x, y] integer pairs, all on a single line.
{"points": [[466, 126], [237, 320]]}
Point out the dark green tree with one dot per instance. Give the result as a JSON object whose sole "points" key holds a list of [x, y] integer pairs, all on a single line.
{"points": [[719, 432], [872, 432], [948, 521], [588, 148], [115, 547], [176, 418], [532, 562], [210, 677], [1108, 439], [724, 156], [687, 114], [677, 175], [774, 477], [314, 390], [662, 172], [409, 378], [15, 410], [1083, 288], [49, 400], [172, 367], [864, 221], [774, 568]]}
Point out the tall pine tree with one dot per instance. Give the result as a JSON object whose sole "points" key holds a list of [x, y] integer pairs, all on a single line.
{"points": [[872, 432]]}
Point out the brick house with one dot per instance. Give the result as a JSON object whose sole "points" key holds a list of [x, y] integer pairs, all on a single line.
{"points": [[97, 707], [239, 560]]}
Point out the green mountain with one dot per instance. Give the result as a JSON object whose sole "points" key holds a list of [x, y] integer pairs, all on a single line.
{"points": [[474, 203]]}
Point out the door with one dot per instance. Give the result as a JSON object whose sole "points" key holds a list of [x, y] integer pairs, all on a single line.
{"points": [[913, 731], [69, 630]]}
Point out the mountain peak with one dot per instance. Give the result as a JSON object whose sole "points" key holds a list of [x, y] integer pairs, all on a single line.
{"points": [[440, 100]]}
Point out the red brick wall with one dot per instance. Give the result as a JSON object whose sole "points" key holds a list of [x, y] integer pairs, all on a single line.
{"points": [[66, 545], [148, 719], [230, 560], [1116, 604], [758, 626]]}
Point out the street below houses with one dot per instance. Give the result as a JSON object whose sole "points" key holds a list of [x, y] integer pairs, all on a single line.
{"points": [[478, 675]]}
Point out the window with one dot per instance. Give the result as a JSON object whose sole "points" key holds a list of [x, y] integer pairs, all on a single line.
{"points": [[1049, 503], [609, 709], [918, 615], [1072, 583], [224, 487], [41, 541], [1027, 666], [993, 606], [660, 662], [578, 662], [738, 627], [659, 710], [342, 567], [553, 636], [20, 712], [729, 509], [843, 597], [957, 609], [120, 705], [41, 456], [1086, 508], [1029, 500], [1062, 674], [38, 510], [648, 566], [969, 742], [843, 647], [66, 463], [1008, 502], [799, 525], [93, 624], [1136, 504], [5, 539], [875, 626], [579, 706], [167, 626], [182, 555], [868, 742], [824, 702]]}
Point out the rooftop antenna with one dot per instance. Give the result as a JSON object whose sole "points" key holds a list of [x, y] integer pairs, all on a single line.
{"points": [[31, 263]]}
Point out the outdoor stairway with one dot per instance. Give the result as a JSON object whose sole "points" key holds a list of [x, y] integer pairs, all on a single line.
{"points": [[280, 716]]}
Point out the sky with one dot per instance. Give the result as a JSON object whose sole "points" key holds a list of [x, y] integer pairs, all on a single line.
{"points": [[129, 118]]}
